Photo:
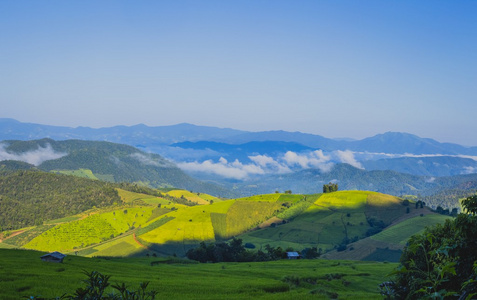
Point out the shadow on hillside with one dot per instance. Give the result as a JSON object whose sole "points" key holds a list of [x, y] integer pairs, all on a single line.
{"points": [[169, 249]]}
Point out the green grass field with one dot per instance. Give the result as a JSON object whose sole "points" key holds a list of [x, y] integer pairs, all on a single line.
{"points": [[24, 274]]}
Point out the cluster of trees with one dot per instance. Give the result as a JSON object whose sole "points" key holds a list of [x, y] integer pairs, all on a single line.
{"points": [[235, 252], [330, 187], [441, 262], [454, 212]]}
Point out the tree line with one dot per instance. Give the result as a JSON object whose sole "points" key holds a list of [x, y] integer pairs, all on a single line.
{"points": [[235, 251]]}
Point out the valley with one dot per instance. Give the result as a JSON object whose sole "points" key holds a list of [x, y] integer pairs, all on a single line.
{"points": [[107, 206]]}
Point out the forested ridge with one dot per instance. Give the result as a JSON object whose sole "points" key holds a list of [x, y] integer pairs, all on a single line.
{"points": [[31, 197]]}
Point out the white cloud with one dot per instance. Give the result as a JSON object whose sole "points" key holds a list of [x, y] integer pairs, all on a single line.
{"points": [[261, 164], [347, 156], [235, 170], [314, 159], [262, 160], [469, 170], [34, 157], [291, 161]]}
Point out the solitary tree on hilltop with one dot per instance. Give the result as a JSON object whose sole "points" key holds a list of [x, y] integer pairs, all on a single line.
{"points": [[330, 187]]}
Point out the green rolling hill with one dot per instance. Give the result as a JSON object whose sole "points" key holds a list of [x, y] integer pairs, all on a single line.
{"points": [[136, 223]]}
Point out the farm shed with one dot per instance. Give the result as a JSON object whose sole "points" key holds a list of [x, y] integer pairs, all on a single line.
{"points": [[53, 257], [293, 255]]}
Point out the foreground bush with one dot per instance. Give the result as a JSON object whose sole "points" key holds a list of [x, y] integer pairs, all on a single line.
{"points": [[95, 288], [441, 262]]}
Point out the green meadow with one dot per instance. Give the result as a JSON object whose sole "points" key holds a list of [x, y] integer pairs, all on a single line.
{"points": [[24, 274]]}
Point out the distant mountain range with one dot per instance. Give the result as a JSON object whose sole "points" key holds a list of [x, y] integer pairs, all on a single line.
{"points": [[145, 136], [233, 162]]}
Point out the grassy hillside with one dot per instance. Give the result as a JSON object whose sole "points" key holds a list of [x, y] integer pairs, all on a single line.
{"points": [[332, 220], [90, 230], [25, 275], [96, 226], [219, 221], [387, 244], [143, 223], [400, 233]]}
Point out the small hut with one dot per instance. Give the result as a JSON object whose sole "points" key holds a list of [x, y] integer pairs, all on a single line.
{"points": [[56, 257], [293, 255]]}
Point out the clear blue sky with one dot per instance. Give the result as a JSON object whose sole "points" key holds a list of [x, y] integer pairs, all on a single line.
{"points": [[334, 68]]}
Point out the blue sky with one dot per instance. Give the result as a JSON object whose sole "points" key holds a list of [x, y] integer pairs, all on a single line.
{"points": [[334, 68]]}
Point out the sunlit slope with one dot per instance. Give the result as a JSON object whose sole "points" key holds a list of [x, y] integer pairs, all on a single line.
{"points": [[217, 221], [122, 246], [100, 230], [148, 224], [90, 230], [199, 198], [333, 219], [98, 226]]}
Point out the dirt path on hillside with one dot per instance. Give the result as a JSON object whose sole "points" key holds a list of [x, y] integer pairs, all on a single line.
{"points": [[138, 242], [12, 235]]}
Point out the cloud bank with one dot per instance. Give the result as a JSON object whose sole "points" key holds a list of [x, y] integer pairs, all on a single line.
{"points": [[264, 164], [235, 170], [34, 157], [347, 157]]}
